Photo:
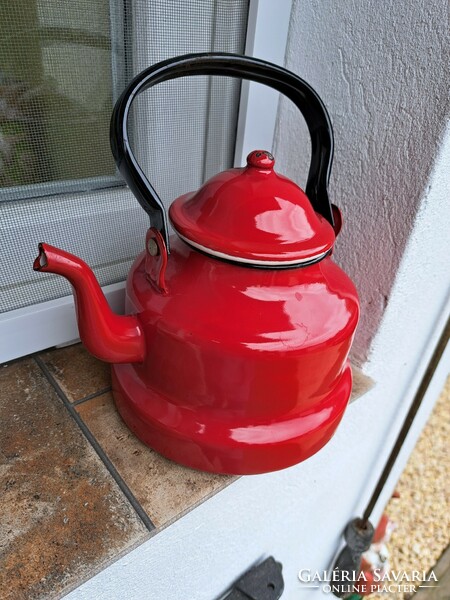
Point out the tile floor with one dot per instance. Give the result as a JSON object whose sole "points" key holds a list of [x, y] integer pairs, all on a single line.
{"points": [[78, 489]]}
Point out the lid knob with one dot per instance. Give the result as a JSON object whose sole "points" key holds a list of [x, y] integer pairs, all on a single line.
{"points": [[261, 159]]}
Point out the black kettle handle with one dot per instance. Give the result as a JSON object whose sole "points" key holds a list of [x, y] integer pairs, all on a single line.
{"points": [[232, 65]]}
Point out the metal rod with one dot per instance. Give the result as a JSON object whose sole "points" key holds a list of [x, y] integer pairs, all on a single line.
{"points": [[416, 403]]}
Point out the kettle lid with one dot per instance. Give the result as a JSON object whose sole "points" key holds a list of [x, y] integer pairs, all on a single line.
{"points": [[253, 215]]}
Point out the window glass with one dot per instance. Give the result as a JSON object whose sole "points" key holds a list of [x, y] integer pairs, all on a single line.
{"points": [[55, 92]]}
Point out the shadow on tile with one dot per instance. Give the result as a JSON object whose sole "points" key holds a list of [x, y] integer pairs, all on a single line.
{"points": [[163, 488], [77, 372], [361, 384]]}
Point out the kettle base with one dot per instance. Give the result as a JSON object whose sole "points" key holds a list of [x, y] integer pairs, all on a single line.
{"points": [[196, 439]]}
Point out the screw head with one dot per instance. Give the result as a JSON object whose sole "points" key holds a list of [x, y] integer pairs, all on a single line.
{"points": [[152, 247]]}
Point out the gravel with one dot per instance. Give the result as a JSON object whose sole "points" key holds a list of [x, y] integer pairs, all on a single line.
{"points": [[422, 512]]}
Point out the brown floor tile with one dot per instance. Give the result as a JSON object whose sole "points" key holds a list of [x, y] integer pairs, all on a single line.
{"points": [[63, 516], [361, 384], [77, 372], [164, 488]]}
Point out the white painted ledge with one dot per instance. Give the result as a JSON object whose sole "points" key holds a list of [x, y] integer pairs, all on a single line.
{"points": [[40, 326]]}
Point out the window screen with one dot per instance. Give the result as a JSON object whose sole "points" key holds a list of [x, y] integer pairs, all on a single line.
{"points": [[61, 68]]}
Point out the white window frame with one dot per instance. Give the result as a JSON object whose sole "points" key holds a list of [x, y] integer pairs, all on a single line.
{"points": [[39, 326]]}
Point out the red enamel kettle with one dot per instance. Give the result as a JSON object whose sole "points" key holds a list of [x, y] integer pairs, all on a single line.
{"points": [[233, 356]]}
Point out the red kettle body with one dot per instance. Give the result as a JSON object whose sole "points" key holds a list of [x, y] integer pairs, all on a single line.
{"points": [[233, 355]]}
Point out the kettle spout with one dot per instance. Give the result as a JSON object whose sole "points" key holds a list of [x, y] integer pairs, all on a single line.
{"points": [[109, 337]]}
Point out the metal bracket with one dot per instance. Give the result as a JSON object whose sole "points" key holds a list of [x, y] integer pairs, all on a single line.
{"points": [[263, 582], [156, 259]]}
